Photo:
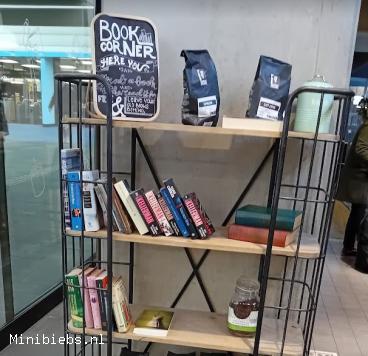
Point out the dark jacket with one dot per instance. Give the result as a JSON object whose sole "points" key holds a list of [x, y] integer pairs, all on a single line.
{"points": [[353, 185]]}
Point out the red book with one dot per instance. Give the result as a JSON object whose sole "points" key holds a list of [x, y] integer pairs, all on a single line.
{"points": [[260, 236], [196, 217]]}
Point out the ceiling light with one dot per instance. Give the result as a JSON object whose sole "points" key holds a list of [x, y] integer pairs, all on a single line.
{"points": [[86, 63], [8, 61], [84, 71], [67, 66], [33, 66], [18, 69], [38, 61]]}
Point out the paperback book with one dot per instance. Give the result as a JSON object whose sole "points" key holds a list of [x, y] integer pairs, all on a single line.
{"points": [[85, 296], [75, 297], [159, 214], [120, 305], [174, 193], [145, 211], [196, 217], [169, 216]]}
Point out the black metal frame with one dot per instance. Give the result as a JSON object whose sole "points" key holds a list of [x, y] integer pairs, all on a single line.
{"points": [[307, 193]]}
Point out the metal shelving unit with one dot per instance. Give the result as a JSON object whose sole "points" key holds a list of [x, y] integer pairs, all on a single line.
{"points": [[285, 326]]}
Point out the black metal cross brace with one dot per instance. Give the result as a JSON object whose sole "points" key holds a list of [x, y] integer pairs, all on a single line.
{"points": [[195, 266]]}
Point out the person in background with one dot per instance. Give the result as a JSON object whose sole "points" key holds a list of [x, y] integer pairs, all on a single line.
{"points": [[353, 188]]}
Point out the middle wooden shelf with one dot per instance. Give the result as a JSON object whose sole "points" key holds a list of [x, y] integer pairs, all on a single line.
{"points": [[309, 247]]}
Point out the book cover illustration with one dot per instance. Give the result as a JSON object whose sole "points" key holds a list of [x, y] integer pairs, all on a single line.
{"points": [[159, 214], [153, 322], [169, 216], [207, 221], [177, 216], [95, 304], [196, 217], [75, 297], [174, 193]]}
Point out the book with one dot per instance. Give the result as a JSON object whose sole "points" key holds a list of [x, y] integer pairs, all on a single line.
{"points": [[175, 195], [75, 297], [153, 322], [207, 221], [70, 161], [91, 221], [158, 213], [259, 216], [169, 216], [120, 210], [101, 283], [252, 124], [103, 194], [75, 201], [196, 217], [120, 305], [101, 202], [123, 190], [145, 211], [93, 296], [260, 235], [175, 212], [85, 296]]}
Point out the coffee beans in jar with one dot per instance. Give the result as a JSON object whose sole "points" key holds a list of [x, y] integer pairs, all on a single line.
{"points": [[243, 308]]}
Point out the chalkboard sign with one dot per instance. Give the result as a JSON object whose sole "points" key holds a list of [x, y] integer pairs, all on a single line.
{"points": [[126, 54]]}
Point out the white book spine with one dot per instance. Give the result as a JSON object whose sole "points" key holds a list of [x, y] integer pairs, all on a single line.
{"points": [[130, 207], [91, 222]]}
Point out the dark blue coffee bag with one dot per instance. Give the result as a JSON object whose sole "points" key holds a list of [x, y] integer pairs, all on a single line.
{"points": [[270, 90], [201, 100]]}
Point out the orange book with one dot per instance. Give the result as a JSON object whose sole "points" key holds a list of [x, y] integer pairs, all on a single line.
{"points": [[260, 235]]}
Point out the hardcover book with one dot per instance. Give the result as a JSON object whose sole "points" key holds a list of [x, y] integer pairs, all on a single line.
{"points": [[101, 284], [174, 193], [123, 191], [75, 201], [159, 214], [120, 305], [93, 296], [75, 297], [175, 212], [153, 322], [169, 216], [145, 211], [91, 221], [259, 216], [196, 217], [70, 161], [85, 296], [260, 235], [207, 221]]}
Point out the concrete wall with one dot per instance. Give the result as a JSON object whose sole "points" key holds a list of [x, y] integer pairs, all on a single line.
{"points": [[313, 35]]}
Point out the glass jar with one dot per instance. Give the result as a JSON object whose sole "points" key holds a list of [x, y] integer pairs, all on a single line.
{"points": [[243, 308]]}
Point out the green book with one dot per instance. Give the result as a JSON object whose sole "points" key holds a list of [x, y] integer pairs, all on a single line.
{"points": [[75, 297], [260, 216], [153, 322]]}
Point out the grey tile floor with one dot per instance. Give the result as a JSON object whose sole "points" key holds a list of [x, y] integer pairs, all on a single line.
{"points": [[341, 325]]}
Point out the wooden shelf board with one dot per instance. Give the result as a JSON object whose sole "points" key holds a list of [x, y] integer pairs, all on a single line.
{"points": [[208, 330], [163, 126], [218, 242]]}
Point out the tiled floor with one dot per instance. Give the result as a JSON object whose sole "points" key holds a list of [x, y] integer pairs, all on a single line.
{"points": [[341, 325], [342, 317]]}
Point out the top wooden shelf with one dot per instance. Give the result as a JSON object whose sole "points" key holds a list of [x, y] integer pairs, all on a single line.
{"points": [[164, 126]]}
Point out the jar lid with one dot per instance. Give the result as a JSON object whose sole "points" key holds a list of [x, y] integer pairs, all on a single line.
{"points": [[245, 284]]}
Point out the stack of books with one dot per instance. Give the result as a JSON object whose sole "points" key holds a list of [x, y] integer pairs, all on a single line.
{"points": [[163, 213], [91, 300], [252, 224]]}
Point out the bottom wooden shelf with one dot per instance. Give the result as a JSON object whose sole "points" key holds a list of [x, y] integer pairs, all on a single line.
{"points": [[208, 330]]}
